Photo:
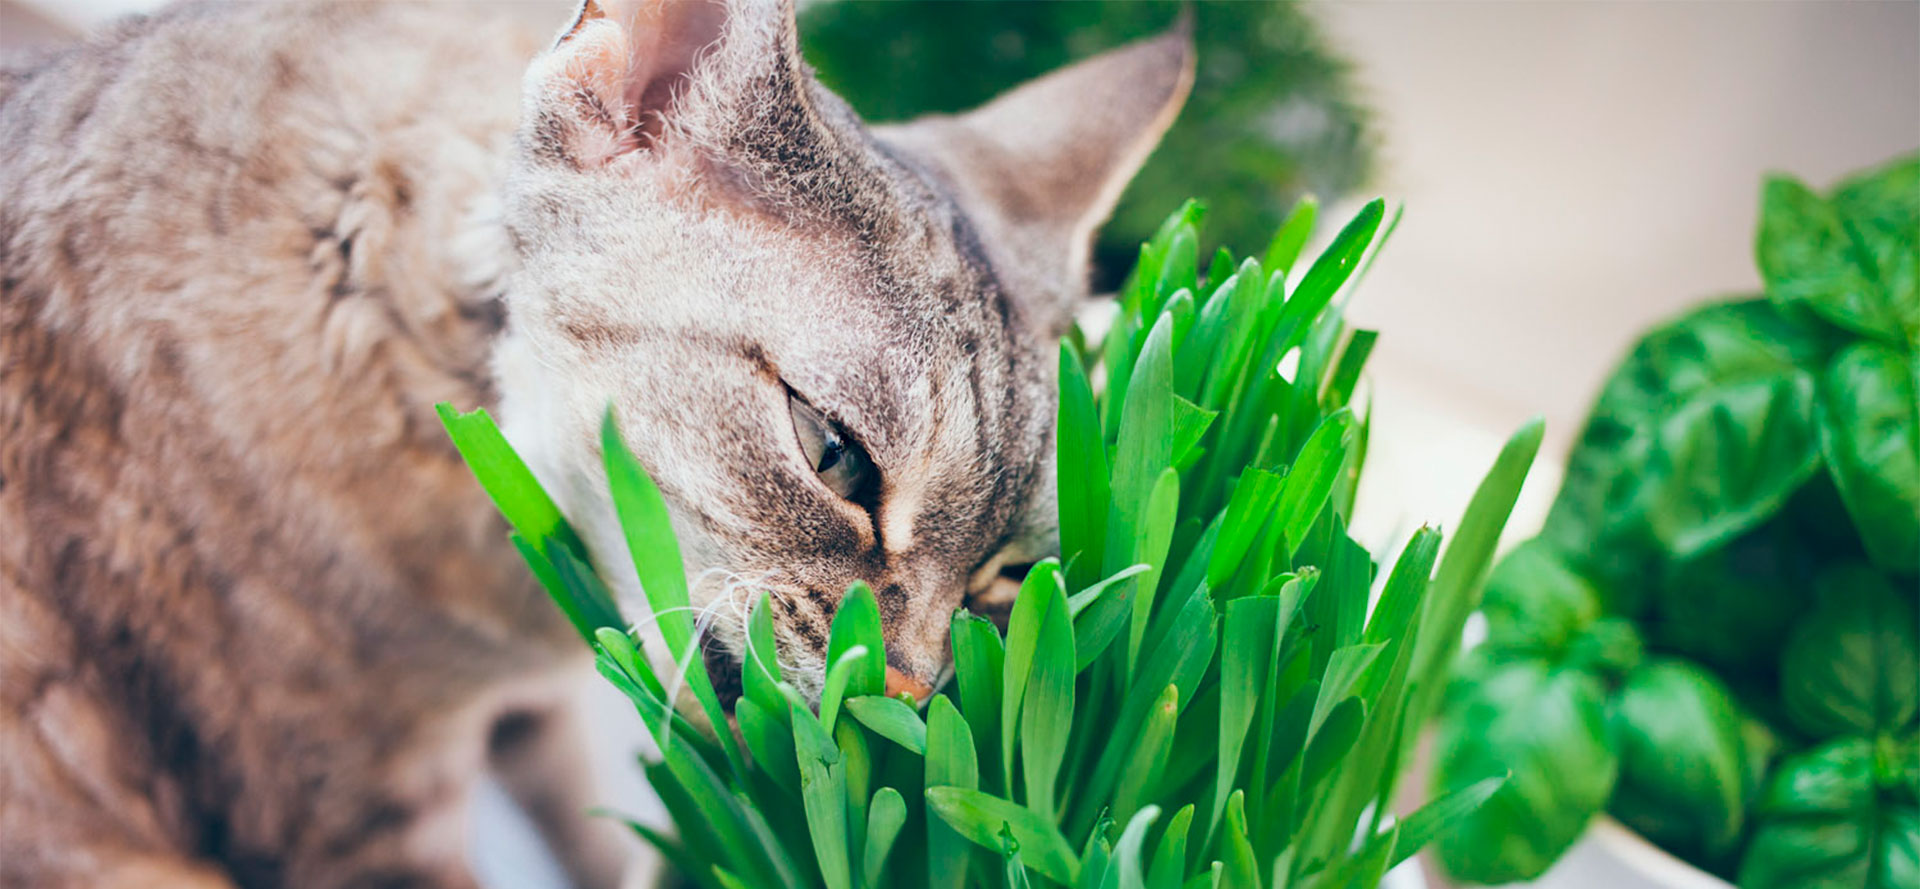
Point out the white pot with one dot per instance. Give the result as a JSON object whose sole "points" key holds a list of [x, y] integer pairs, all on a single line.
{"points": [[1610, 856]]}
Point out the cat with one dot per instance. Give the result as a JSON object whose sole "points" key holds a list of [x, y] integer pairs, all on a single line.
{"points": [[258, 625]]}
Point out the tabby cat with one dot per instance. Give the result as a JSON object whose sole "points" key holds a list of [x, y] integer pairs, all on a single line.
{"points": [[258, 626]]}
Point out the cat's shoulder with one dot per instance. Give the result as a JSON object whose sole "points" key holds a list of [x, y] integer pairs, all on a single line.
{"points": [[210, 77]]}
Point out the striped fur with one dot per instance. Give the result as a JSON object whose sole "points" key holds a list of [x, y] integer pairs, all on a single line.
{"points": [[257, 627]]}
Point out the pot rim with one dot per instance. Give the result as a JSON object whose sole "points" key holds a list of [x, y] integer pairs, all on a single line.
{"points": [[1660, 867]]}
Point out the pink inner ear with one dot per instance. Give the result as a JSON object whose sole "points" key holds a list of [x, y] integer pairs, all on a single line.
{"points": [[665, 41]]}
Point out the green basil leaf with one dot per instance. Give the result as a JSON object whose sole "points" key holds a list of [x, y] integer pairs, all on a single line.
{"points": [[1881, 209], [1870, 435], [1827, 821], [1536, 602], [1683, 760], [1806, 258], [1853, 667], [1852, 260], [1548, 728], [1702, 433], [1732, 607]]}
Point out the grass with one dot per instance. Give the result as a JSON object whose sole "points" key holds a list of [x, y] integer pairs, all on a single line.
{"points": [[1197, 695]]}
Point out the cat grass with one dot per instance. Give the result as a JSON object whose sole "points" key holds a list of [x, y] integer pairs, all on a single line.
{"points": [[1199, 694]]}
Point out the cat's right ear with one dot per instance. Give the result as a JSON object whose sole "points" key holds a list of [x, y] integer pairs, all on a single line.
{"points": [[622, 74]]}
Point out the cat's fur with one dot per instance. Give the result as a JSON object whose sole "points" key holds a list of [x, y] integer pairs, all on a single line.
{"points": [[257, 624]]}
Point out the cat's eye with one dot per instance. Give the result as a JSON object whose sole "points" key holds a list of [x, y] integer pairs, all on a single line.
{"points": [[839, 461]]}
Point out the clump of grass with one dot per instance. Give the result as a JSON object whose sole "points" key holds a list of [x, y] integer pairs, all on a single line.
{"points": [[1199, 695]]}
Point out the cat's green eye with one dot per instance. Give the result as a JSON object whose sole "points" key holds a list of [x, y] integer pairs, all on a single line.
{"points": [[839, 461]]}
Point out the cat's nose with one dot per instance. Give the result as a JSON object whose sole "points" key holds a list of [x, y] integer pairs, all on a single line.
{"points": [[900, 683]]}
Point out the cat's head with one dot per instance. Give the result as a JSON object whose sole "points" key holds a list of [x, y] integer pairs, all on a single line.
{"points": [[833, 347]]}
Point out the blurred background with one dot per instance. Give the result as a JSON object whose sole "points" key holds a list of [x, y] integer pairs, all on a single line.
{"points": [[1571, 172]]}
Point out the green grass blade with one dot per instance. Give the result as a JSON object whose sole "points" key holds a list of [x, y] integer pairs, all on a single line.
{"points": [[1246, 657], [1346, 374], [770, 740], [892, 719], [1170, 856], [505, 477], [840, 673], [1078, 602], [675, 853], [1431, 821], [1363, 869], [1406, 589], [1180, 660], [1310, 480], [1096, 859], [856, 758], [856, 622], [979, 817], [760, 675], [979, 665], [648, 529], [1155, 535], [1127, 859], [1293, 233], [1150, 753], [1242, 869], [584, 617], [540, 531], [1145, 446], [950, 763], [1464, 566], [1047, 708], [1255, 496], [1330, 271], [885, 817], [1332, 740], [1081, 470], [1469, 557], [1016, 870], [823, 793], [1025, 626], [1343, 672]]}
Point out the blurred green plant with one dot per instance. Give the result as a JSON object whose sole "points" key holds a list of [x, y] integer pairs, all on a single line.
{"points": [[1272, 115], [1744, 505], [1199, 696]]}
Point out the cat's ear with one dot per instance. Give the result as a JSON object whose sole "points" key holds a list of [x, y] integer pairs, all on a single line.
{"points": [[1041, 166], [626, 74]]}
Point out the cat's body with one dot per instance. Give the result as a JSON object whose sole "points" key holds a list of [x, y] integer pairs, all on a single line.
{"points": [[253, 610], [258, 626]]}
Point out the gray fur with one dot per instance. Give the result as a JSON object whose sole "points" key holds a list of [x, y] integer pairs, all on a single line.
{"points": [[257, 624]]}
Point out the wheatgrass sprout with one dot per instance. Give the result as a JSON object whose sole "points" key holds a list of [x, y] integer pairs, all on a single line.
{"points": [[1196, 695]]}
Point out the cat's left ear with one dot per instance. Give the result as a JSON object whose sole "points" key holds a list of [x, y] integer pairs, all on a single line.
{"points": [[626, 75], [1040, 167]]}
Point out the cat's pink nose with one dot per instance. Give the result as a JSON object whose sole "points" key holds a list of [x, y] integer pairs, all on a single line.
{"points": [[899, 683]]}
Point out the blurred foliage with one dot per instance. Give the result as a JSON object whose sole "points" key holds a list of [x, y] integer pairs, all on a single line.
{"points": [[1745, 500], [1271, 115]]}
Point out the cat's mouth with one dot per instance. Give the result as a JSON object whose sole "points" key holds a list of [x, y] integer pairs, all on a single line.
{"points": [[994, 601], [726, 670]]}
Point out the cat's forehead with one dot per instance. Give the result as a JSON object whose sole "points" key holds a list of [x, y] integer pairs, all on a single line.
{"points": [[909, 327]]}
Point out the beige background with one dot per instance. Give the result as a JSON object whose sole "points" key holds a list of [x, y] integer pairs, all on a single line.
{"points": [[1572, 172]]}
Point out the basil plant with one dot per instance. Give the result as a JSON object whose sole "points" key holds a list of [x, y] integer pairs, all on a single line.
{"points": [[1713, 639]]}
